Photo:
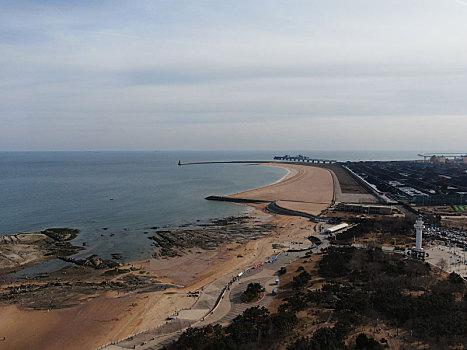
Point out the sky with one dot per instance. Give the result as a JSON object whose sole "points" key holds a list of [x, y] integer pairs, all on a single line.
{"points": [[233, 75]]}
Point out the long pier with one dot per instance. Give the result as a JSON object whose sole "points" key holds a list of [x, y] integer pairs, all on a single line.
{"points": [[304, 159], [229, 162], [279, 160]]}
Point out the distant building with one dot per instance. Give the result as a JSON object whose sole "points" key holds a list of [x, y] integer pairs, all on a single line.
{"points": [[441, 199], [371, 209], [438, 159]]}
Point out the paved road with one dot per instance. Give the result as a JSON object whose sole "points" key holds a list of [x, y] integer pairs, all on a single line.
{"points": [[237, 306]]}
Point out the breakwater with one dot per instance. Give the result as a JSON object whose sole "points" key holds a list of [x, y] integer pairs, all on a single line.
{"points": [[180, 163], [235, 200], [272, 207]]}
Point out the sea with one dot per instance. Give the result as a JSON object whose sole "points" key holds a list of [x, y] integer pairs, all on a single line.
{"points": [[116, 199]]}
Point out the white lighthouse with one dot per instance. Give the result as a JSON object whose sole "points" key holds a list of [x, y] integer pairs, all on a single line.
{"points": [[417, 251], [418, 229]]}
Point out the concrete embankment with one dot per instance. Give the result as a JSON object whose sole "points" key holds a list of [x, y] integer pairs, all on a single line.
{"points": [[272, 207], [235, 200], [276, 209]]}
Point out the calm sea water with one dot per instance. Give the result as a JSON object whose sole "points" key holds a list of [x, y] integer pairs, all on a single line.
{"points": [[74, 189]]}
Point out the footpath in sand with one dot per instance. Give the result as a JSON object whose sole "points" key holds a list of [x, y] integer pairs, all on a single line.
{"points": [[114, 317]]}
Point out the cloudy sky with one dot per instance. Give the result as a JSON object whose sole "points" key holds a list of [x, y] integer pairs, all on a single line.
{"points": [[238, 75]]}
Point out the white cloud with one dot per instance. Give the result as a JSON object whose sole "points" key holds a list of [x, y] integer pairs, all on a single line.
{"points": [[109, 73]]}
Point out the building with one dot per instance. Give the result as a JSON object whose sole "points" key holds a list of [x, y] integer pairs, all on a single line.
{"points": [[438, 159], [440, 199], [334, 229], [365, 209]]}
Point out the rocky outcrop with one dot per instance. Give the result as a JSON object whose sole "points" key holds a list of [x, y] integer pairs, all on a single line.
{"points": [[93, 261]]}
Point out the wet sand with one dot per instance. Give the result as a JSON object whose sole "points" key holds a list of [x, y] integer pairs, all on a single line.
{"points": [[113, 317]]}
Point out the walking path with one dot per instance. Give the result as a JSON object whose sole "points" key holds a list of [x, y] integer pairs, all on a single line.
{"points": [[231, 306], [212, 307]]}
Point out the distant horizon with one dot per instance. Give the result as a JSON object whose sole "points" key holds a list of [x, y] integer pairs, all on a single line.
{"points": [[146, 75], [280, 152], [224, 150]]}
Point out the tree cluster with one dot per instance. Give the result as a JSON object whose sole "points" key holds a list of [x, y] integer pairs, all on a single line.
{"points": [[253, 292], [256, 328], [385, 226], [362, 284], [401, 290], [324, 339], [301, 280]]}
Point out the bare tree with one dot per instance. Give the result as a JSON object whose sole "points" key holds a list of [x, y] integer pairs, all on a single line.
{"points": [[442, 264]]}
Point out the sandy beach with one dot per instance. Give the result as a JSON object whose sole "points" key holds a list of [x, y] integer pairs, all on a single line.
{"points": [[305, 188], [112, 316]]}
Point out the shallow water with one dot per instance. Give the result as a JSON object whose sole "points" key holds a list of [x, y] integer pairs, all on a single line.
{"points": [[125, 192], [129, 192]]}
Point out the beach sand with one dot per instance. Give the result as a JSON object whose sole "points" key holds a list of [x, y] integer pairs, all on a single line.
{"points": [[113, 317], [305, 188]]}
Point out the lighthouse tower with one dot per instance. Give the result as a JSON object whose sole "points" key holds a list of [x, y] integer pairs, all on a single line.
{"points": [[417, 251], [418, 229]]}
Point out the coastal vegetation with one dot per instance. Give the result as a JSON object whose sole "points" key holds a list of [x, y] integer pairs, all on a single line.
{"points": [[255, 328], [385, 229], [252, 293], [348, 298], [282, 271]]}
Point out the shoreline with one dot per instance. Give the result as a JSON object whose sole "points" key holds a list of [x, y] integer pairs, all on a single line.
{"points": [[152, 309], [87, 238], [287, 229], [289, 173], [42, 259]]}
